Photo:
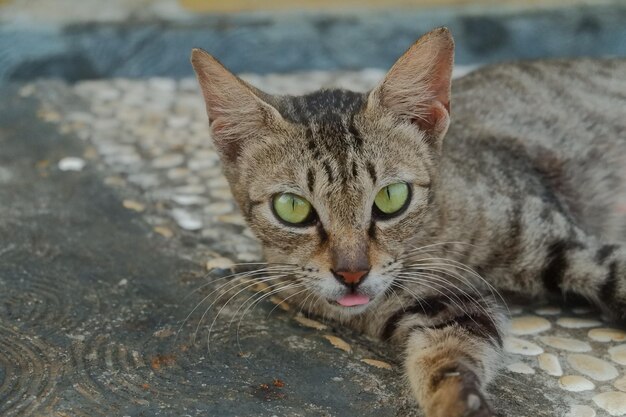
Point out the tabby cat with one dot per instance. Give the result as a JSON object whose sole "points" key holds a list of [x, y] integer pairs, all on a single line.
{"points": [[399, 234]]}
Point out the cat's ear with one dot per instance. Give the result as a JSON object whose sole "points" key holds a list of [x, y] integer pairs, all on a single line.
{"points": [[417, 87], [237, 111]]}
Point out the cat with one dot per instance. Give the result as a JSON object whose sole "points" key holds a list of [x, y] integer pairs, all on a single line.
{"points": [[388, 228]]}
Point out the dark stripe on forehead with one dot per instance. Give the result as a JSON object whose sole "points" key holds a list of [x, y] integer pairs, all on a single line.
{"points": [[310, 179], [318, 105], [329, 172], [372, 171], [356, 135]]}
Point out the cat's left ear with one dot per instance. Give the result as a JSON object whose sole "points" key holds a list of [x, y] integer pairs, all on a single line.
{"points": [[238, 113], [417, 88]]}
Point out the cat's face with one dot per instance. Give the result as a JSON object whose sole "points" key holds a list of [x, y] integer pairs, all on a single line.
{"points": [[336, 182]]}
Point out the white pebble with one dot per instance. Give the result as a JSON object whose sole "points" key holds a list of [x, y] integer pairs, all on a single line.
{"points": [[191, 189], [548, 311], [618, 354], [595, 368], [186, 220], [520, 368], [607, 335], [189, 200], [612, 402], [222, 207], [71, 163], [564, 343], [167, 85], [168, 161], [576, 383], [620, 384], [550, 364], [528, 325], [178, 122], [581, 411], [577, 323], [219, 263], [521, 347]]}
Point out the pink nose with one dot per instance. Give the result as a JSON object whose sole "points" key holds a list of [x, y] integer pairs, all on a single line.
{"points": [[351, 278]]}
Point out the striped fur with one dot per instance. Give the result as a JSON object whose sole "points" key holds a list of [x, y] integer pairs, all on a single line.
{"points": [[527, 193]]}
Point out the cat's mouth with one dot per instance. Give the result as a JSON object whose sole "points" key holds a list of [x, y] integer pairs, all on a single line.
{"points": [[353, 300]]}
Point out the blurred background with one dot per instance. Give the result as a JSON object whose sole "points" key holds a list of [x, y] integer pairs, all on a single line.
{"points": [[90, 39]]}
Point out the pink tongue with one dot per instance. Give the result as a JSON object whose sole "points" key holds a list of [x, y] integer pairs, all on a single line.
{"points": [[353, 300]]}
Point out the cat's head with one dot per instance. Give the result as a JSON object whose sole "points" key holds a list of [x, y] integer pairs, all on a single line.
{"points": [[335, 182]]}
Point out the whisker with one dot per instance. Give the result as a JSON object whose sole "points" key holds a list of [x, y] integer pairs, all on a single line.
{"points": [[461, 308], [287, 286], [249, 285]]}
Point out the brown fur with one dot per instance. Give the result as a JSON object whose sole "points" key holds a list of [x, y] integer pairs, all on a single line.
{"points": [[523, 195]]}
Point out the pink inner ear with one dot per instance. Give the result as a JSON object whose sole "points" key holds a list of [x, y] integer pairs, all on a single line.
{"points": [[229, 148], [429, 119]]}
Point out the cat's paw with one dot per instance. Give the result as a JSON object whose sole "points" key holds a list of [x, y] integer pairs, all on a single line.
{"points": [[459, 395]]}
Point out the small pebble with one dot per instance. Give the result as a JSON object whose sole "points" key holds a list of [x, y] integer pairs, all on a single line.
{"points": [[178, 122], [338, 343], [310, 323], [189, 200], [219, 263], [521, 347], [168, 161], [576, 383], [376, 363], [595, 368], [222, 207], [164, 231], [618, 354], [581, 411], [187, 220], [162, 84], [281, 303], [577, 323], [564, 343], [526, 325], [620, 384], [520, 368], [550, 364], [71, 163], [548, 311], [581, 310], [261, 287], [612, 402], [134, 205], [607, 335]]}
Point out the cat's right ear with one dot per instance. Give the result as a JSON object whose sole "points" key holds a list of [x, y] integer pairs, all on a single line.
{"points": [[237, 112], [417, 88]]}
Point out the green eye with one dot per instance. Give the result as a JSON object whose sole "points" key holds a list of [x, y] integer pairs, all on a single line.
{"points": [[392, 198], [291, 208]]}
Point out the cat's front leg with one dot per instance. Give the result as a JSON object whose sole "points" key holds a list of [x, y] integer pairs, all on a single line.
{"points": [[451, 356], [446, 370]]}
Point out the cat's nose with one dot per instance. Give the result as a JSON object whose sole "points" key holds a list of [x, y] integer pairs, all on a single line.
{"points": [[351, 279]]}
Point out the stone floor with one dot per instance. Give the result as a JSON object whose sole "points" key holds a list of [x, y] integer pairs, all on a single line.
{"points": [[114, 208]]}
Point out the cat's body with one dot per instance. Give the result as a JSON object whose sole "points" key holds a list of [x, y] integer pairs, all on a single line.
{"points": [[525, 194]]}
